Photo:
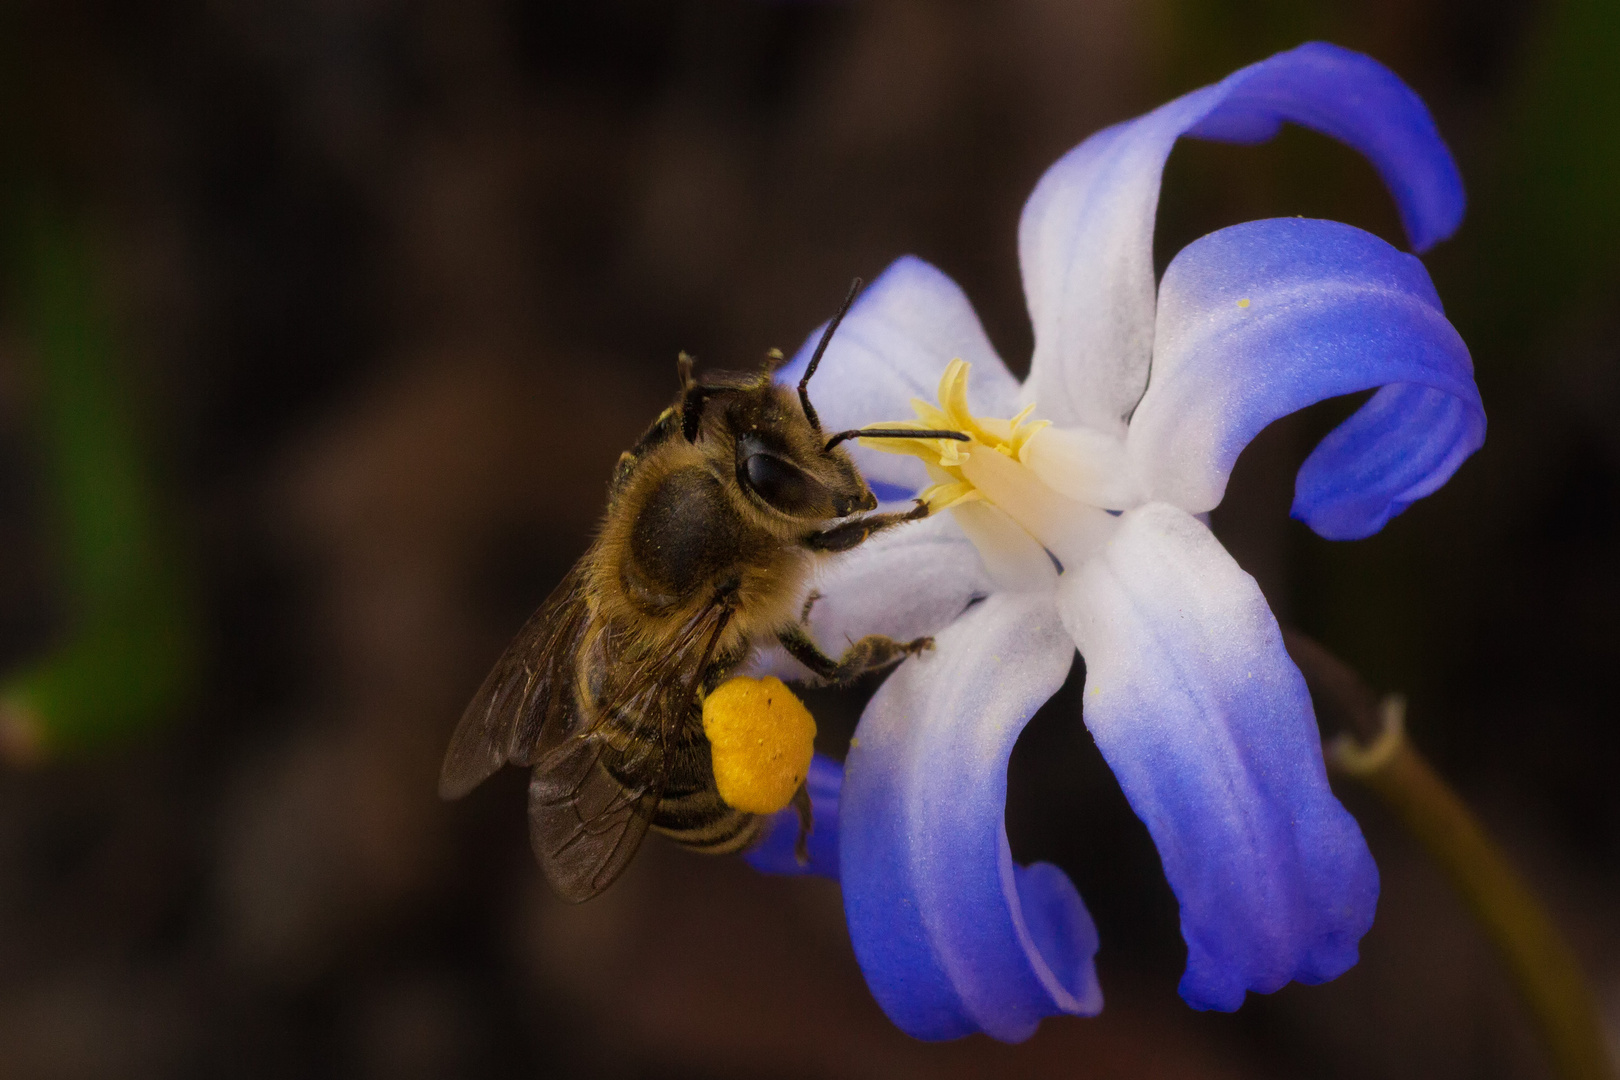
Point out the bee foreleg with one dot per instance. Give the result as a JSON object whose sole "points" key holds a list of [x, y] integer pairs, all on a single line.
{"points": [[801, 843], [854, 532], [868, 654], [668, 422], [622, 471], [695, 393], [692, 402]]}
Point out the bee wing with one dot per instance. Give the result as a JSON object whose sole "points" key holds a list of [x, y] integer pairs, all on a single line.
{"points": [[529, 690], [593, 796], [585, 824]]}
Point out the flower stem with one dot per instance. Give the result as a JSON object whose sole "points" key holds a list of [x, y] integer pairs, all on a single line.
{"points": [[1376, 752]]}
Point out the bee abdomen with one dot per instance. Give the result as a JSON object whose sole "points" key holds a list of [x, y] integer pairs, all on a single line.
{"points": [[701, 821]]}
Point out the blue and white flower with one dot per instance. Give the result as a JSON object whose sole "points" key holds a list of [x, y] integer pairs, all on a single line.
{"points": [[1074, 523]]}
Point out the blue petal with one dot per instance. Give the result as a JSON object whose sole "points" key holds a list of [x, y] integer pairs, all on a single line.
{"points": [[903, 583], [1206, 723], [952, 936], [892, 347], [1400, 446], [1086, 237], [774, 853], [1264, 318], [1360, 102]]}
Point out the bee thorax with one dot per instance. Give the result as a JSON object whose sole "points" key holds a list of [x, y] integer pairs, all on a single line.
{"points": [[684, 537]]}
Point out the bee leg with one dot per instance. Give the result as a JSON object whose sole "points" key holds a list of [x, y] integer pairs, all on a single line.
{"points": [[622, 471], [851, 534], [692, 403], [801, 843], [668, 422], [695, 393], [694, 396], [868, 654], [809, 602]]}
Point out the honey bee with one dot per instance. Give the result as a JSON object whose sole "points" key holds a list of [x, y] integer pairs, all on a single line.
{"points": [[715, 519]]}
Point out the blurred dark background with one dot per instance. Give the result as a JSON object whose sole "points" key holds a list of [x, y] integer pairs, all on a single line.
{"points": [[385, 285]]}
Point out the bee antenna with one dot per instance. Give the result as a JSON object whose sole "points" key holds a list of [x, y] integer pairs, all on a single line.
{"points": [[896, 433], [821, 347]]}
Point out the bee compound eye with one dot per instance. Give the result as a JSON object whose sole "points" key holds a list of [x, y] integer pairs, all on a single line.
{"points": [[778, 482]]}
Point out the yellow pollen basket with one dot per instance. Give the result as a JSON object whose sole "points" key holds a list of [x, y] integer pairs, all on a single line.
{"points": [[761, 739], [944, 457]]}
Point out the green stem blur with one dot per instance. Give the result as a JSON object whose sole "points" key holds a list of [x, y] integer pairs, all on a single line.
{"points": [[1542, 964], [127, 659]]}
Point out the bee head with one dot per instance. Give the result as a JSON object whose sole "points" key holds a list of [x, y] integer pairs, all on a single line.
{"points": [[829, 448], [785, 463], [783, 458]]}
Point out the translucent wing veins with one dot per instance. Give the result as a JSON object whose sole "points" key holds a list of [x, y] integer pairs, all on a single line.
{"points": [[530, 683]]}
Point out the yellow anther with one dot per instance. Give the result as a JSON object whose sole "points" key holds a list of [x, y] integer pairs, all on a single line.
{"points": [[761, 739], [945, 457]]}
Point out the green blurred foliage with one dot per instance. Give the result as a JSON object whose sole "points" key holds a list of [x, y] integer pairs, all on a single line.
{"points": [[128, 658]]}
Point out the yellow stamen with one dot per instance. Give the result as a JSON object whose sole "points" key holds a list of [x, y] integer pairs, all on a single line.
{"points": [[761, 739], [945, 457]]}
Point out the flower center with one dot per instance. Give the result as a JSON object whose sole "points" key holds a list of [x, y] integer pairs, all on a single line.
{"points": [[1007, 463], [946, 459]]}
